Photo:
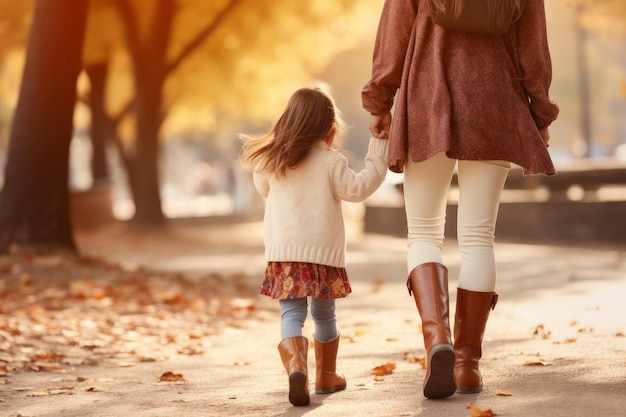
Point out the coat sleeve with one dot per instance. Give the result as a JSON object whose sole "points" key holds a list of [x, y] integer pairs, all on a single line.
{"points": [[392, 39], [534, 59], [355, 187]]}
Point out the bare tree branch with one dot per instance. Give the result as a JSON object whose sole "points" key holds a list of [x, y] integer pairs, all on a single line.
{"points": [[201, 36]]}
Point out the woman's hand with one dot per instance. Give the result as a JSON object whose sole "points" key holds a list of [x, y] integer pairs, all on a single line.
{"points": [[380, 125]]}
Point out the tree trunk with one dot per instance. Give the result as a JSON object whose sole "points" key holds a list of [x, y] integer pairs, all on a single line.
{"points": [[144, 167], [100, 121], [35, 208], [149, 61]]}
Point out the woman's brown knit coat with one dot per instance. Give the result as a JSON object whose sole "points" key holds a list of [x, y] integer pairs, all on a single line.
{"points": [[474, 96]]}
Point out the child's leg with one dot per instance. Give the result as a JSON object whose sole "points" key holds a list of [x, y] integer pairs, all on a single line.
{"points": [[292, 316], [327, 380], [325, 319], [294, 348]]}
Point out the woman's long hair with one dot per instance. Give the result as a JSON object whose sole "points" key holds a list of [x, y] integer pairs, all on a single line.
{"points": [[310, 116], [492, 6]]}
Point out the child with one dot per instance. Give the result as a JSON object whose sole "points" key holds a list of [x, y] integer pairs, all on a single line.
{"points": [[304, 182]]}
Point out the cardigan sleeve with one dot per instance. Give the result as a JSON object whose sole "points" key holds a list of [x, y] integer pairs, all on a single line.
{"points": [[534, 58], [355, 187], [392, 39], [261, 183]]}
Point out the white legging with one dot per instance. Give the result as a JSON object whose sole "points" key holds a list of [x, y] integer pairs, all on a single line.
{"points": [[426, 186]]}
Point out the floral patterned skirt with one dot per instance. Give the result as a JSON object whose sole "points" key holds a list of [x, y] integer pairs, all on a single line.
{"points": [[288, 280]]}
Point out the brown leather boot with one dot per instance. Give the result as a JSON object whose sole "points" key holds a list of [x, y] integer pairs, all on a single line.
{"points": [[429, 285], [327, 379], [293, 352], [472, 312]]}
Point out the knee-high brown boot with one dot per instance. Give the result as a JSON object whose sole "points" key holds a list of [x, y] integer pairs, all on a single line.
{"points": [[327, 380], [429, 285], [293, 352], [472, 312]]}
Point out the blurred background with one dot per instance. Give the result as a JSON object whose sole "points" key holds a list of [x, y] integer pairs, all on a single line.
{"points": [[229, 67]]}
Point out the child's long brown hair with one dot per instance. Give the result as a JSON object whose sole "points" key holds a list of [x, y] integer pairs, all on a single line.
{"points": [[310, 116]]}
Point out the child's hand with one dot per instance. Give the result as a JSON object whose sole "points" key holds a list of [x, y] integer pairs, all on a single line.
{"points": [[380, 125]]}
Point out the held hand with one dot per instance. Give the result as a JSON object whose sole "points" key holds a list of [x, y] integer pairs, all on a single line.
{"points": [[380, 125], [545, 135]]}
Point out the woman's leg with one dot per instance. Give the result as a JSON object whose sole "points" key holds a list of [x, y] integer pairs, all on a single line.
{"points": [[480, 187], [426, 187]]}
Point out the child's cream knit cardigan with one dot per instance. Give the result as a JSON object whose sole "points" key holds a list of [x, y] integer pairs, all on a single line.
{"points": [[303, 218]]}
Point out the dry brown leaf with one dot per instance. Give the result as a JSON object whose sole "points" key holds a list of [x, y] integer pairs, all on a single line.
{"points": [[421, 360], [505, 394], [540, 330], [378, 284], [42, 393], [571, 340], [536, 362], [26, 279], [46, 366], [385, 369], [479, 412], [171, 377], [191, 350], [619, 334]]}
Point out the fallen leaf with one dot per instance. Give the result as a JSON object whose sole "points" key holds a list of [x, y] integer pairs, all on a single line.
{"points": [[171, 377], [415, 359], [385, 369], [378, 284], [619, 334], [540, 330], [505, 394], [570, 340], [46, 366], [536, 362], [479, 412], [42, 393]]}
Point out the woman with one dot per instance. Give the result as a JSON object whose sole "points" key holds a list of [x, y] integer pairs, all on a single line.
{"points": [[476, 101]]}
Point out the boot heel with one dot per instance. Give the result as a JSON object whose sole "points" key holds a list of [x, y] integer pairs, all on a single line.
{"points": [[298, 390], [440, 383], [293, 352]]}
